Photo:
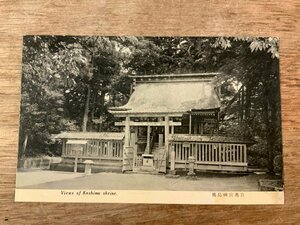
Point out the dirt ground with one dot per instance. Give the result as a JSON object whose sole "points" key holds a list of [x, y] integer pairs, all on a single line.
{"points": [[44, 179], [35, 177]]}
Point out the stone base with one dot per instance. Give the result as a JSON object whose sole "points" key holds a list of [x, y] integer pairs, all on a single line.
{"points": [[172, 172], [147, 168], [191, 174]]}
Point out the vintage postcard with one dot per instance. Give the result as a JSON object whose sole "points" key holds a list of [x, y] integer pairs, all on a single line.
{"points": [[170, 120]]}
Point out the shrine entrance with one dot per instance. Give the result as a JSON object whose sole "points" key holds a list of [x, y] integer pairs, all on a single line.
{"points": [[146, 142], [151, 152]]}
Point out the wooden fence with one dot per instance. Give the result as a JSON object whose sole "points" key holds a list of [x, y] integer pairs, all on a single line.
{"points": [[96, 149], [210, 153]]}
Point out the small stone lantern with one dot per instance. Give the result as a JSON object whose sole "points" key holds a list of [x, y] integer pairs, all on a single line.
{"points": [[88, 167], [191, 166]]}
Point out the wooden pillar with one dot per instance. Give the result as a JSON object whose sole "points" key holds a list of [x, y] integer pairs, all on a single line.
{"points": [[245, 153], [136, 130], [127, 132], [172, 130], [109, 148], [195, 129], [148, 140], [172, 171], [78, 150], [201, 128], [190, 124], [76, 161], [167, 131], [160, 140], [63, 147], [127, 154]]}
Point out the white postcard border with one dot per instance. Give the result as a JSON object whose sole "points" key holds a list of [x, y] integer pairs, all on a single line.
{"points": [[152, 197]]}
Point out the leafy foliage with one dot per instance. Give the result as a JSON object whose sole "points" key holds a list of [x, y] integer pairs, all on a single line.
{"points": [[68, 83]]}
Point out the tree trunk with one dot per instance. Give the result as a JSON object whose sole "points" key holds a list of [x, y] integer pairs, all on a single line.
{"points": [[102, 99], [86, 109], [242, 103], [114, 99], [271, 142], [269, 129], [239, 106], [91, 125], [24, 146], [275, 128], [248, 102]]}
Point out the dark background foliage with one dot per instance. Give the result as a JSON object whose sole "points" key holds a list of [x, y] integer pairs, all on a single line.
{"points": [[69, 82]]}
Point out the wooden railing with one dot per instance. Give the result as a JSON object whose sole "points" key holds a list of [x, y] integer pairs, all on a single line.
{"points": [[96, 149], [210, 153], [138, 161], [117, 149]]}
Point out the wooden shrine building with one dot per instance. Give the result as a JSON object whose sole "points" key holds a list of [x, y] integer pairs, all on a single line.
{"points": [[170, 119]]}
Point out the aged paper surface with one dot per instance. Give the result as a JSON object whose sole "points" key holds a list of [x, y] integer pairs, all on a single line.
{"points": [[124, 119], [255, 18]]}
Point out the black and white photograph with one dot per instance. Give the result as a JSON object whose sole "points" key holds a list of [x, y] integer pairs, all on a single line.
{"points": [[192, 120]]}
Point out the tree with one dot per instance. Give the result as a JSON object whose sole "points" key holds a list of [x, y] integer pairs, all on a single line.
{"points": [[249, 81], [68, 83], [257, 70], [42, 97], [65, 82]]}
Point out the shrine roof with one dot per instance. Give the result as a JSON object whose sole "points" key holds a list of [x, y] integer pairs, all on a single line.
{"points": [[90, 135], [171, 94]]}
